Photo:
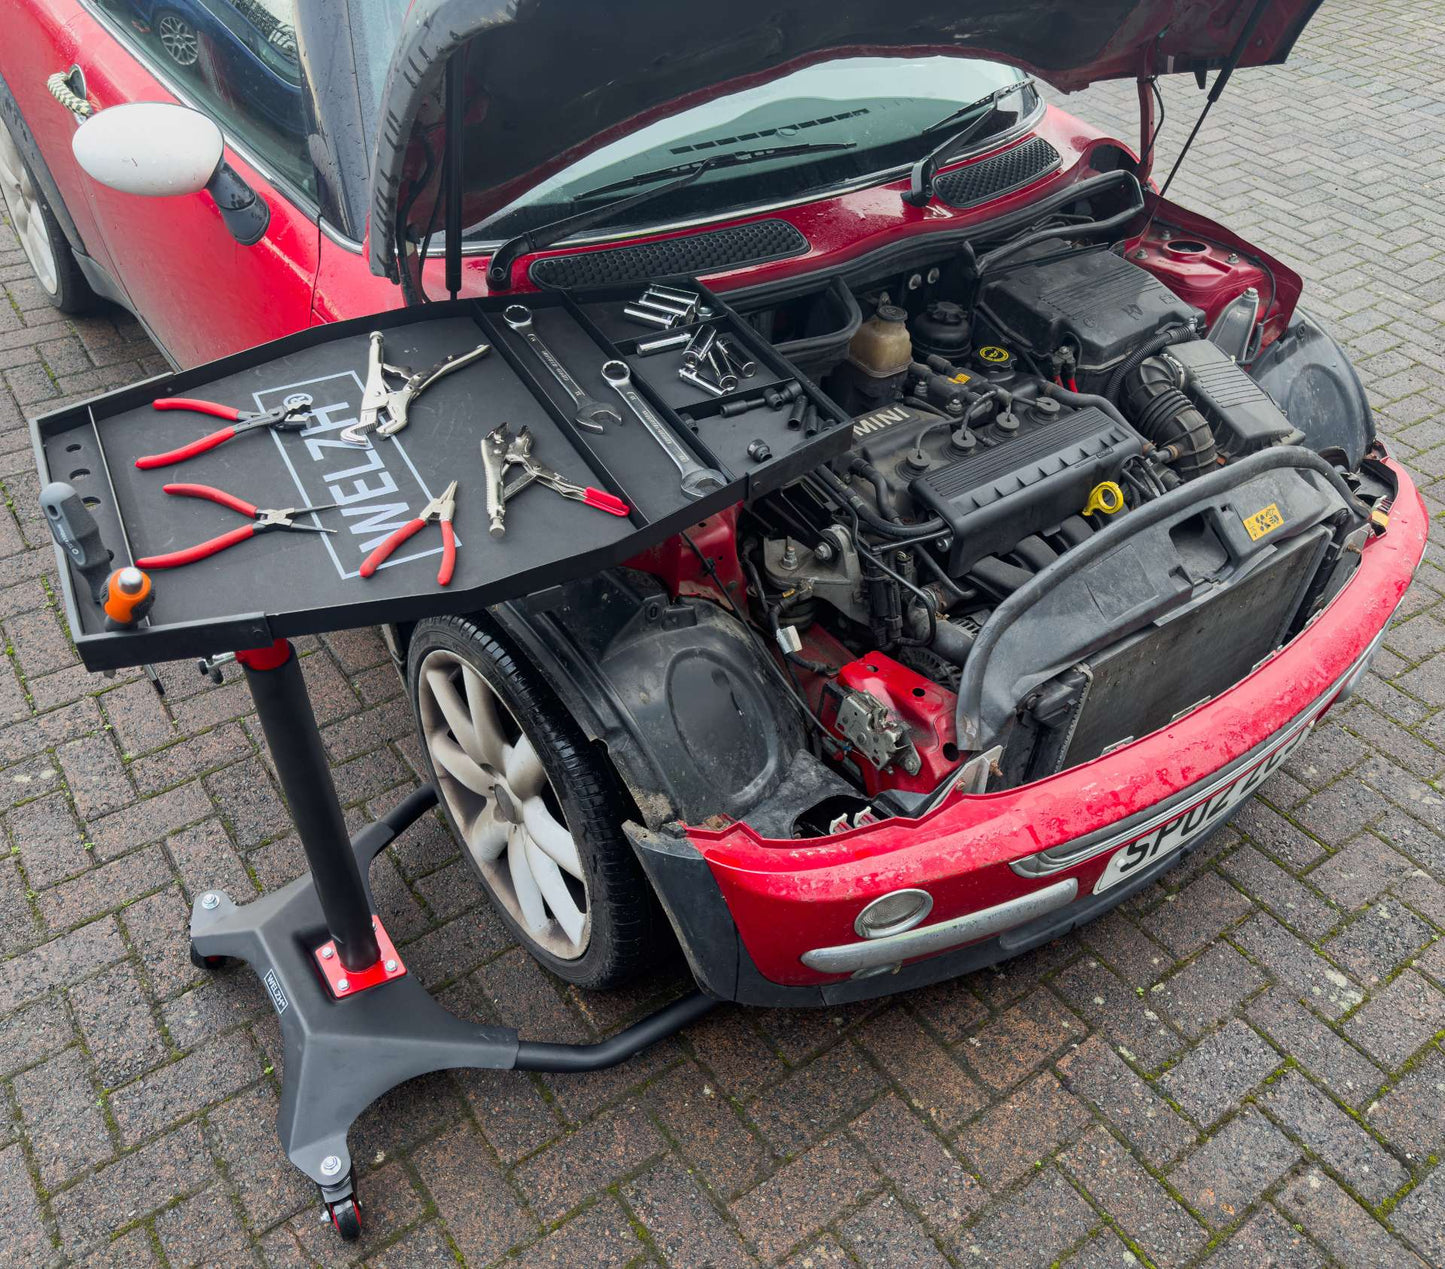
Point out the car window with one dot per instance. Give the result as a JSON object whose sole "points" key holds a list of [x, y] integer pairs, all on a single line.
{"points": [[235, 59]]}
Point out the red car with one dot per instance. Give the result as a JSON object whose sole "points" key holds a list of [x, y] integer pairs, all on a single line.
{"points": [[1114, 531]]}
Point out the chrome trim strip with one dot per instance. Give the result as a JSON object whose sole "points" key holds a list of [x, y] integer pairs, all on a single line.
{"points": [[924, 940], [1040, 865]]}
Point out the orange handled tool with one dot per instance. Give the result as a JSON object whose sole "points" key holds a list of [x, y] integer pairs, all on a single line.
{"points": [[129, 595], [440, 508]]}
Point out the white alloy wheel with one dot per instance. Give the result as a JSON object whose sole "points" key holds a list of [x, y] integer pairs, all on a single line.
{"points": [[504, 805], [23, 207]]}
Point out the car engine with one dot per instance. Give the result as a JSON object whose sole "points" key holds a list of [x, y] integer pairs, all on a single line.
{"points": [[1000, 425]]}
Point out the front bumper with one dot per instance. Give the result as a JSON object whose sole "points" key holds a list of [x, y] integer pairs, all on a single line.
{"points": [[772, 921]]}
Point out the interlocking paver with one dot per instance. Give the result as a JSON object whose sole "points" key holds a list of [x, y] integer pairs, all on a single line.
{"points": [[1219, 1071], [1305, 936], [1234, 1167]]}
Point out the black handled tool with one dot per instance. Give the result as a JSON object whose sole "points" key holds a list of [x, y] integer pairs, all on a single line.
{"points": [[77, 534]]}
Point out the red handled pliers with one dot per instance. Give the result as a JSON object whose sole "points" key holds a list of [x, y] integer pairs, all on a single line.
{"points": [[265, 518], [441, 508], [287, 417]]}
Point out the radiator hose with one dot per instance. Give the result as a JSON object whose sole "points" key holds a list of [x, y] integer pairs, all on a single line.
{"points": [[1164, 415]]}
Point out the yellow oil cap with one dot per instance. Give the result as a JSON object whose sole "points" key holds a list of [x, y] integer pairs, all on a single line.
{"points": [[1106, 497]]}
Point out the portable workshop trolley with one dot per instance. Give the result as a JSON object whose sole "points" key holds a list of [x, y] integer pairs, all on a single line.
{"points": [[354, 1023]]}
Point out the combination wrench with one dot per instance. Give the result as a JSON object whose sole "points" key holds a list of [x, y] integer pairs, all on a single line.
{"points": [[696, 479], [591, 413]]}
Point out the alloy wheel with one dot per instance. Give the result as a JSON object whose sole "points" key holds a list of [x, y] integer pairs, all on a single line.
{"points": [[22, 206], [178, 38], [504, 805]]}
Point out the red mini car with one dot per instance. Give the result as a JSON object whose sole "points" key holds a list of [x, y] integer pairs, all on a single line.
{"points": [[1113, 533]]}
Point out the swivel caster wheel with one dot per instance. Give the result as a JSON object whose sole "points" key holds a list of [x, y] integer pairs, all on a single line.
{"points": [[208, 962], [346, 1216]]}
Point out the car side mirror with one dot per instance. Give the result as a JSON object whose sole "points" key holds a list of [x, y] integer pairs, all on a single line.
{"points": [[159, 150]]}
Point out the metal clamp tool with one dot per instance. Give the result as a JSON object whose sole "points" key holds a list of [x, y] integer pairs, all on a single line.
{"points": [[697, 480], [591, 413], [501, 449], [379, 398]]}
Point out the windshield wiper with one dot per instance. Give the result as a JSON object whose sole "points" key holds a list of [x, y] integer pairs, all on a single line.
{"points": [[920, 178], [733, 158], [499, 268]]}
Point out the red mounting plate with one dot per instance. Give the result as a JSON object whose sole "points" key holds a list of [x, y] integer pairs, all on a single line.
{"points": [[348, 982]]}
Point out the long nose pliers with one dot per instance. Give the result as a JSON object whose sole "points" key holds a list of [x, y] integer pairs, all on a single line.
{"points": [[264, 519], [441, 508], [289, 416]]}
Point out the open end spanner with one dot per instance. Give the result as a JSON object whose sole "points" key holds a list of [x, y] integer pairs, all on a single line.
{"points": [[696, 479], [591, 413]]}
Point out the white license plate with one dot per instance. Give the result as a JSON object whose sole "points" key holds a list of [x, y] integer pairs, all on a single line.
{"points": [[1196, 820]]}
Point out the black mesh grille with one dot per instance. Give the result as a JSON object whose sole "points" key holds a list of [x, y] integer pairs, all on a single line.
{"points": [[965, 186], [692, 254]]}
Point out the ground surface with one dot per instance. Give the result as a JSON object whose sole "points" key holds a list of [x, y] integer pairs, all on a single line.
{"points": [[1242, 1067]]}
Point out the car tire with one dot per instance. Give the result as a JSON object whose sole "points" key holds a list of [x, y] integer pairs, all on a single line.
{"points": [[177, 37], [581, 906], [41, 238]]}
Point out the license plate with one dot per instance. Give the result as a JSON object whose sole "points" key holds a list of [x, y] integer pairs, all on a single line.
{"points": [[1193, 822]]}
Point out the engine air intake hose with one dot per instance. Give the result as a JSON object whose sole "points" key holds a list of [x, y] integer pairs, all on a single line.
{"points": [[1131, 363], [1164, 415]]}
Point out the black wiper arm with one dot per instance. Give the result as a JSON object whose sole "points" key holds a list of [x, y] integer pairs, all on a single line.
{"points": [[733, 158], [499, 268], [920, 178]]}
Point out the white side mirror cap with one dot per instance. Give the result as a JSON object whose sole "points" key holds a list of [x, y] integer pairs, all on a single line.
{"points": [[153, 148]]}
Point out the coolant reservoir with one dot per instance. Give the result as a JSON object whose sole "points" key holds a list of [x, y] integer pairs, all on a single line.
{"points": [[881, 347]]}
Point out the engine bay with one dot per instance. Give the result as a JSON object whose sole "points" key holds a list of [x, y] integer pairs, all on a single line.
{"points": [[1069, 515]]}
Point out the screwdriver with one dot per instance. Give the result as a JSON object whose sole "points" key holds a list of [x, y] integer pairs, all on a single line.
{"points": [[77, 534]]}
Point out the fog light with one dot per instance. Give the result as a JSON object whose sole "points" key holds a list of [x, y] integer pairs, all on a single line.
{"points": [[893, 913]]}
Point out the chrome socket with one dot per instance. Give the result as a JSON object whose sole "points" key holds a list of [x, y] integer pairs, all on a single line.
{"points": [[662, 343], [740, 363], [698, 347], [652, 318], [672, 293], [697, 381], [722, 375]]}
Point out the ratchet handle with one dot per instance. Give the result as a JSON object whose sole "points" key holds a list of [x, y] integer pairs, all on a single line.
{"points": [[449, 554], [375, 560], [212, 494], [147, 461], [174, 559], [199, 406], [605, 501]]}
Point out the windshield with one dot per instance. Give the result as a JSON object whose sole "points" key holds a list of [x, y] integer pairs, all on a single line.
{"points": [[882, 108]]}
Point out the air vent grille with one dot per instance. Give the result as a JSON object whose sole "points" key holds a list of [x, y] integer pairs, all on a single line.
{"points": [[691, 254], [997, 174]]}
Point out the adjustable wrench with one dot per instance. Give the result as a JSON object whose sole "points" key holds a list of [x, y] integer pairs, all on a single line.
{"points": [[591, 413], [696, 479]]}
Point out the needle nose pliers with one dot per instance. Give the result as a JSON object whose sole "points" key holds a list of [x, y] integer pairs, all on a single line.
{"points": [[440, 508], [286, 417], [265, 518]]}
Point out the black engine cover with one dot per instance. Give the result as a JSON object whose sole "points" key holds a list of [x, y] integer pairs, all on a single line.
{"points": [[1030, 482], [1105, 305]]}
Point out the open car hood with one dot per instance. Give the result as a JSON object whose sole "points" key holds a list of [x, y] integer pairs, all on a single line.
{"points": [[546, 81]]}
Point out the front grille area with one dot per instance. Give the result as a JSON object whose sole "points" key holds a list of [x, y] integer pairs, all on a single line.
{"points": [[689, 255], [997, 174]]}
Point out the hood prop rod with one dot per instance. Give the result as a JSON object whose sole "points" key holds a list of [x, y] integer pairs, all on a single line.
{"points": [[452, 175], [1236, 54]]}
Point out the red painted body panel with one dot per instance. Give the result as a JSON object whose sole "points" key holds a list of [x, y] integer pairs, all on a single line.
{"points": [[838, 229], [928, 710], [789, 896], [201, 293], [40, 39]]}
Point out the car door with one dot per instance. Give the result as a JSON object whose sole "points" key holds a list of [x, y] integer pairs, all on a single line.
{"points": [[200, 293]]}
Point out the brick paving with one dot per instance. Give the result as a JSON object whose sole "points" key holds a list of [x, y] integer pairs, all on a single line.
{"points": [[1241, 1067]]}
